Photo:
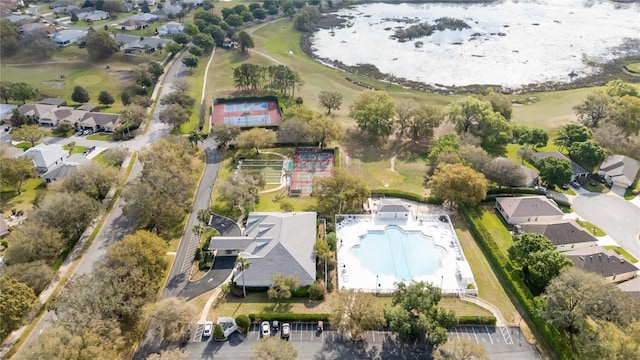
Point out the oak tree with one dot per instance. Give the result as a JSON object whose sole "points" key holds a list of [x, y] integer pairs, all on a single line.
{"points": [[458, 184], [30, 133], [330, 99], [16, 301], [354, 312], [95, 180], [341, 193], [373, 111], [256, 138]]}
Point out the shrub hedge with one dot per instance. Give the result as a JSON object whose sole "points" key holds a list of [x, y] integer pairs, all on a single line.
{"points": [[243, 323], [406, 195], [336, 157], [476, 320], [507, 190], [288, 317], [514, 283]]}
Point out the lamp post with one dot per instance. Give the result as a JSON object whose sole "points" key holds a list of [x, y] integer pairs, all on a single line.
{"points": [[377, 284], [441, 282]]}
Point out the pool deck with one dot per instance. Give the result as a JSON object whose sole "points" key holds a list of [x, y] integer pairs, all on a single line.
{"points": [[453, 275]]}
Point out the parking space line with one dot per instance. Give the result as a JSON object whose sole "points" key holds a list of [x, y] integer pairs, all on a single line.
{"points": [[373, 333], [457, 333], [474, 334], [301, 334], [490, 338]]}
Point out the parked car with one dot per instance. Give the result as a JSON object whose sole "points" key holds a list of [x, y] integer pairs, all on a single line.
{"points": [[575, 184], [87, 132], [79, 132], [208, 328], [286, 331], [276, 326], [265, 329]]}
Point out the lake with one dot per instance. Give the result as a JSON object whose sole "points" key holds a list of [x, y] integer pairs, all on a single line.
{"points": [[509, 43]]}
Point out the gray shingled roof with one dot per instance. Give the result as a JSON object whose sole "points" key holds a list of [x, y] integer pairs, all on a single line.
{"points": [[528, 206], [620, 165], [598, 260], [392, 205], [631, 287], [560, 233], [575, 168], [275, 243]]}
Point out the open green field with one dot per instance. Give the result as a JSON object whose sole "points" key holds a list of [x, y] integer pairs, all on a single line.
{"points": [[635, 67], [496, 227], [24, 201], [73, 63]]}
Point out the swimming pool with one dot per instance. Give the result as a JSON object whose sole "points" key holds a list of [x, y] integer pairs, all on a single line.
{"points": [[400, 253]]}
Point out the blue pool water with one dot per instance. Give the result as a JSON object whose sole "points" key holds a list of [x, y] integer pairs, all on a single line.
{"points": [[403, 254]]}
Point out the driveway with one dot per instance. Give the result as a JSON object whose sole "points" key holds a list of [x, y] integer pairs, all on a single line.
{"points": [[619, 218]]}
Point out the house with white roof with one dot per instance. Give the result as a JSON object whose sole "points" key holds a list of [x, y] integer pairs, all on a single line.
{"points": [[62, 170], [274, 243], [170, 28], [45, 157], [68, 37], [516, 210], [619, 170]]}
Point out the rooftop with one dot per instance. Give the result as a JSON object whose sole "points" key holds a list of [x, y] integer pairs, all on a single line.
{"points": [[605, 263], [560, 233], [528, 206]]}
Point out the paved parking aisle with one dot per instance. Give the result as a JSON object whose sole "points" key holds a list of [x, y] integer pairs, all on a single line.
{"points": [[498, 342]]}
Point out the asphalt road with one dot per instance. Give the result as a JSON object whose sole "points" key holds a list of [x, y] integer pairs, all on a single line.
{"points": [[619, 218], [376, 345]]}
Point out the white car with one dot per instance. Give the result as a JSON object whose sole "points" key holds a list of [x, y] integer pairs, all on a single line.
{"points": [[208, 328], [265, 329]]}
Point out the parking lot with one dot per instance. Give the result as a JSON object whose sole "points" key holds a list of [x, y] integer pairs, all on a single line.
{"points": [[328, 344]]}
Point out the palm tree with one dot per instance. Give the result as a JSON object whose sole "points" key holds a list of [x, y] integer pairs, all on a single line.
{"points": [[243, 265], [204, 215], [196, 136], [197, 229]]}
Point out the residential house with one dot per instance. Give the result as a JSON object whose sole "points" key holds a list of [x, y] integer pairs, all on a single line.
{"points": [[274, 243], [99, 121], [168, 10], [170, 28], [6, 110], [564, 235], [149, 18], [35, 111], [130, 25], [62, 170], [64, 113], [53, 101], [66, 10], [192, 2], [86, 107], [517, 210], [392, 209], [45, 157], [619, 170], [631, 287], [577, 171], [38, 27], [20, 19], [132, 43], [59, 3], [95, 15], [68, 37], [149, 2], [8, 6], [606, 263]]}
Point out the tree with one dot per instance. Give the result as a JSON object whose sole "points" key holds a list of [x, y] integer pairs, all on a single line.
{"points": [[575, 296], [179, 97], [36, 274], [323, 253], [196, 136], [5, 94], [133, 117], [475, 116], [459, 349], [171, 318], [95, 180], [105, 98], [458, 184], [256, 138], [243, 265], [174, 115], [21, 91], [63, 129], [173, 47], [606, 340], [341, 193], [68, 213], [282, 287], [625, 113], [525, 153], [38, 44], [593, 109], [224, 134], [555, 171], [16, 300], [30, 133], [80, 95], [294, 130], [405, 108], [9, 37], [355, 312], [31, 242], [538, 260], [115, 156], [423, 122], [245, 41], [112, 6], [195, 50], [14, 171], [445, 144], [572, 133], [475, 157], [374, 110], [535, 138], [302, 21], [271, 348], [259, 13], [234, 20], [74, 18], [414, 313], [588, 154], [205, 41], [241, 190], [504, 172], [610, 136], [323, 129], [619, 88], [190, 61], [100, 45], [499, 103]]}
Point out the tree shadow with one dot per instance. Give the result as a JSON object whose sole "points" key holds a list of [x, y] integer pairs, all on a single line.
{"points": [[278, 307]]}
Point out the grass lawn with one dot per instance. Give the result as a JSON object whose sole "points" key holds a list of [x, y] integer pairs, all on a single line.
{"points": [[406, 175], [635, 67], [260, 303], [489, 288], [271, 202], [76, 149], [597, 188], [101, 136], [496, 227], [196, 79], [24, 145], [621, 251], [596, 231], [24, 201]]}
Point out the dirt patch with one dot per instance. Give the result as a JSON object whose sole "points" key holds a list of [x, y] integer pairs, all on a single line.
{"points": [[122, 75], [56, 84]]}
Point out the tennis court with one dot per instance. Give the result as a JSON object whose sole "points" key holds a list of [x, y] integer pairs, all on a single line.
{"points": [[308, 165], [246, 106], [248, 120]]}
